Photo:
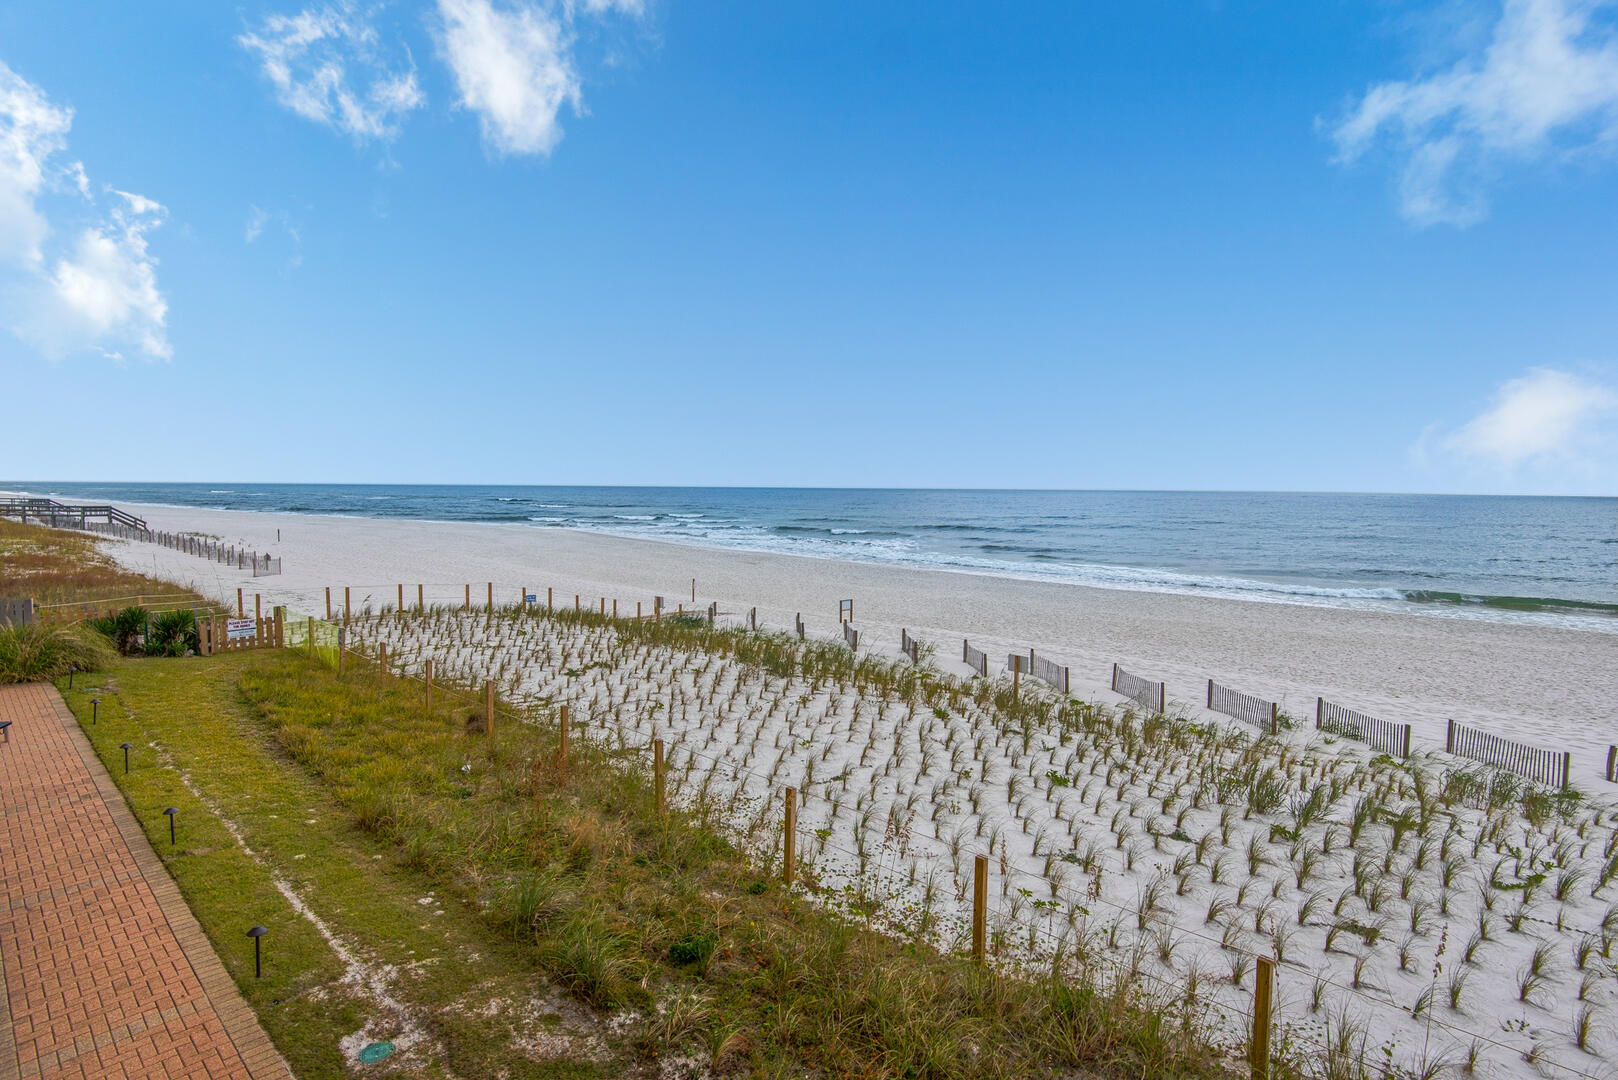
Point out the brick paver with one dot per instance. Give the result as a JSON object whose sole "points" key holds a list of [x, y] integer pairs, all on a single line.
{"points": [[105, 970]]}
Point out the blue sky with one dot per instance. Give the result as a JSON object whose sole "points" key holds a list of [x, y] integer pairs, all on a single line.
{"points": [[1191, 244]]}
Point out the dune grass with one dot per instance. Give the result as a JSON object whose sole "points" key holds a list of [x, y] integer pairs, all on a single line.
{"points": [[35, 652], [58, 566]]}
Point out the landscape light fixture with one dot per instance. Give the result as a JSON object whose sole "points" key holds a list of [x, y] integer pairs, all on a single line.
{"points": [[126, 748], [95, 710], [169, 813], [70, 670], [5, 729], [256, 933]]}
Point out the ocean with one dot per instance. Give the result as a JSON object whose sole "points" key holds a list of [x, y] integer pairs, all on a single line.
{"points": [[1535, 559]]}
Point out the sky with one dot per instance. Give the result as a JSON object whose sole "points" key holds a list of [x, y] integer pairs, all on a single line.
{"points": [[1363, 245]]}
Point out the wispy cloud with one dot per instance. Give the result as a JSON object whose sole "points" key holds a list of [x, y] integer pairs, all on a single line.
{"points": [[1543, 86], [328, 65], [101, 292], [513, 67]]}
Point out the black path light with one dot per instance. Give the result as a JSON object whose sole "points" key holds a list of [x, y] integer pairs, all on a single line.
{"points": [[257, 934], [126, 748], [95, 710], [5, 729], [70, 670], [169, 813]]}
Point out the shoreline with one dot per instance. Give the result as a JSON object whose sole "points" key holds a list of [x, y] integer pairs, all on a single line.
{"points": [[1547, 685]]}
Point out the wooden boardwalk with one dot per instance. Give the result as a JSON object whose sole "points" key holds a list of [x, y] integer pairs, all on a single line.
{"points": [[104, 969]]}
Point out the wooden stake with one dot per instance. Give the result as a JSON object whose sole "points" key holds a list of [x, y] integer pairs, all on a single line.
{"points": [[615, 607], [1263, 993], [550, 598], [488, 710], [637, 611], [658, 781], [421, 605], [469, 598], [980, 907], [693, 590], [347, 606], [491, 598], [280, 627], [328, 603], [241, 612], [309, 639], [525, 598], [561, 738], [789, 838], [258, 607], [577, 609], [603, 605], [382, 658], [342, 649], [398, 609], [429, 681]]}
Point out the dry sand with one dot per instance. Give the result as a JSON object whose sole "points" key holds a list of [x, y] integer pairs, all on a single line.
{"points": [[1554, 687]]}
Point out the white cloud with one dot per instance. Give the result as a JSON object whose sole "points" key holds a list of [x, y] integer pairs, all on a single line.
{"points": [[1544, 86], [514, 68], [1544, 418], [102, 291], [255, 224], [327, 65], [106, 289], [31, 131]]}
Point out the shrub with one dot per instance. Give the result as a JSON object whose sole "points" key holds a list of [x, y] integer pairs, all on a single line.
{"points": [[34, 652]]}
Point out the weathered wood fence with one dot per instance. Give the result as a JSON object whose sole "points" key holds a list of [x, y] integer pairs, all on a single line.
{"points": [[1151, 696], [1550, 767], [1262, 714], [851, 636], [909, 646], [1381, 735], [227, 554], [213, 633], [972, 658], [16, 611], [1040, 668]]}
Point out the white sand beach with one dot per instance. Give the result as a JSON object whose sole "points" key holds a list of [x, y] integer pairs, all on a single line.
{"points": [[1553, 687]]}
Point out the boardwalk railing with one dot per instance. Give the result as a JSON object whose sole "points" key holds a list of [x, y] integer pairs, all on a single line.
{"points": [[1262, 714], [65, 515], [1151, 696], [972, 658], [1381, 735], [1550, 767]]}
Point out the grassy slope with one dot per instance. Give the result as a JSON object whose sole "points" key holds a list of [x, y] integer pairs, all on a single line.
{"points": [[57, 566], [188, 721], [565, 873]]}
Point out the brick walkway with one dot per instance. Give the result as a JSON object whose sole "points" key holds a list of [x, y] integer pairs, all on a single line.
{"points": [[105, 970]]}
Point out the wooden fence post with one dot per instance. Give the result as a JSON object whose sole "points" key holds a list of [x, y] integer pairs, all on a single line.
{"points": [[421, 600], [280, 627], [561, 738], [1016, 676], [1210, 693], [550, 598], [603, 605], [1449, 737], [1263, 995], [342, 649], [398, 609], [1320, 712], [578, 608], [693, 590], [309, 638], [615, 607], [789, 838], [491, 598], [1612, 763], [429, 684], [468, 598], [328, 603], [658, 781], [524, 595], [980, 907], [1567, 769], [348, 607], [382, 658], [241, 612], [488, 710], [1275, 718]]}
